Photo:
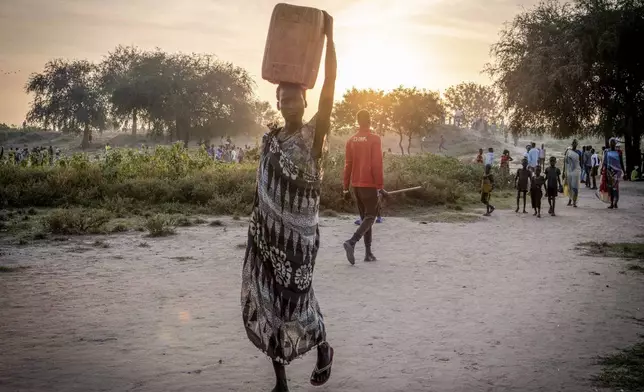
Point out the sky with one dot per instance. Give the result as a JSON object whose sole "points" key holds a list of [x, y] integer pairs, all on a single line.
{"points": [[379, 43]]}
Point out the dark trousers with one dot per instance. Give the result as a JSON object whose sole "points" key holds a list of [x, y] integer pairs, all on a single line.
{"points": [[588, 171], [367, 200]]}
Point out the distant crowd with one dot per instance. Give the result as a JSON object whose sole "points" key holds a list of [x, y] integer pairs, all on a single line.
{"points": [[43, 156], [580, 167], [36, 156], [226, 151]]}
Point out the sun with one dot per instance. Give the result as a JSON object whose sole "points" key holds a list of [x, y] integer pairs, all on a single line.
{"points": [[382, 57]]}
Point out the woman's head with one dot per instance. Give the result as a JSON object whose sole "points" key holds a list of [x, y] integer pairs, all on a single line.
{"points": [[291, 101], [613, 143]]}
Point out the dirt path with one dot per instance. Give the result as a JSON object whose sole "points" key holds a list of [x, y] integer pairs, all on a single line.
{"points": [[505, 304]]}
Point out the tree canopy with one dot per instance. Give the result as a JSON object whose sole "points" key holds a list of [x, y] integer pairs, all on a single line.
{"points": [[475, 101], [180, 96]]}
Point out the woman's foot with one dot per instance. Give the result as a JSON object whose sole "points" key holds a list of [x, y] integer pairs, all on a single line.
{"points": [[539, 215], [525, 212], [574, 204], [492, 209], [615, 205], [610, 207], [569, 203], [322, 371], [535, 213], [517, 210]]}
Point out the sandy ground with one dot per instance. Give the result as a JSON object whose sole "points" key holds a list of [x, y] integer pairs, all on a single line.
{"points": [[505, 304]]}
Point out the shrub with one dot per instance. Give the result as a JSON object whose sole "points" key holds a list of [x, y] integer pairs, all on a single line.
{"points": [[171, 178], [160, 225], [76, 221]]}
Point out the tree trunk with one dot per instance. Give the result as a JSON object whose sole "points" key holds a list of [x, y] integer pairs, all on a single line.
{"points": [[409, 144], [402, 150], [86, 137], [134, 122]]}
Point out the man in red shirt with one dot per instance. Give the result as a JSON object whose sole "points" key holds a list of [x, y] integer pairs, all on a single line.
{"points": [[363, 172]]}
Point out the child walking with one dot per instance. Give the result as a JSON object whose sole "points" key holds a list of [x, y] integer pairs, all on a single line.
{"points": [[521, 183], [487, 184], [553, 184], [538, 182]]}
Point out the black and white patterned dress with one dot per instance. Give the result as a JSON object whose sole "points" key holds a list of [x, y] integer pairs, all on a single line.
{"points": [[280, 312]]}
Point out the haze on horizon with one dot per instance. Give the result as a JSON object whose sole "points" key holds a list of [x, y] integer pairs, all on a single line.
{"points": [[380, 43]]}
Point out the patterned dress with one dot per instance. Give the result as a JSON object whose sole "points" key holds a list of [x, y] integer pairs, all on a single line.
{"points": [[280, 312]]}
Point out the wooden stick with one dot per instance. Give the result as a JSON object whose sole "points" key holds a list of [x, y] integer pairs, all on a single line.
{"points": [[405, 190]]}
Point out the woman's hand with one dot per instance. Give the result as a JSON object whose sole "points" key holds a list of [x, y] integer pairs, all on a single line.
{"points": [[328, 25]]}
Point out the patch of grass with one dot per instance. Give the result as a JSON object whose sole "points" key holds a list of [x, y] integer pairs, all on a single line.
{"points": [[448, 217], [118, 228], [623, 370], [636, 268], [160, 226], [623, 250], [23, 241], [183, 258], [236, 217], [183, 221], [200, 221], [100, 244], [628, 251], [76, 221], [144, 245], [7, 269], [216, 223], [40, 236], [32, 211]]}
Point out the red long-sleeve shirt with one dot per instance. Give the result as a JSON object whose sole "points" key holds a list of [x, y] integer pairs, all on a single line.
{"points": [[363, 161]]}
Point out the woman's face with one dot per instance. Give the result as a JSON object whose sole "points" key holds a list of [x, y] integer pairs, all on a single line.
{"points": [[291, 103]]}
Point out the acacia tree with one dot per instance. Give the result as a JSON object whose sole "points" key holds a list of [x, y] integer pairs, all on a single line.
{"points": [[124, 81], [67, 94], [473, 100], [376, 102], [414, 112], [575, 69]]}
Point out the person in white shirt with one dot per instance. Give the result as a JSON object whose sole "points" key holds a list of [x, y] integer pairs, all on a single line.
{"points": [[489, 157], [594, 163], [533, 157], [233, 156], [542, 157]]}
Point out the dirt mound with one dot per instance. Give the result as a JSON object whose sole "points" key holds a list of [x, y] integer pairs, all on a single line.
{"points": [[40, 138]]}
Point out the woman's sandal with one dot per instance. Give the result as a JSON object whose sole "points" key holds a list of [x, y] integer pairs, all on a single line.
{"points": [[326, 369]]}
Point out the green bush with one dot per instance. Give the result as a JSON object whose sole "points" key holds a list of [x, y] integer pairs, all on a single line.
{"points": [[128, 183], [160, 225], [76, 221]]}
